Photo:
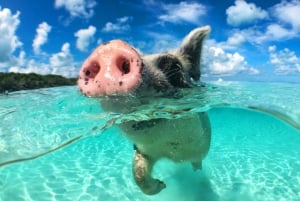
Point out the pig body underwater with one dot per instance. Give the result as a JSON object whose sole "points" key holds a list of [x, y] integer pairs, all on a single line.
{"points": [[115, 68]]}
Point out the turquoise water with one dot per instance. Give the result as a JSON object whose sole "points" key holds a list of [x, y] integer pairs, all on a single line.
{"points": [[254, 154]]}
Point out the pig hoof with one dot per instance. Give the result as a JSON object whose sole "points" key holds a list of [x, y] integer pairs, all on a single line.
{"points": [[155, 188]]}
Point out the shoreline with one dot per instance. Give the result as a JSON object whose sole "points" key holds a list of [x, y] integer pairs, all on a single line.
{"points": [[10, 82]]}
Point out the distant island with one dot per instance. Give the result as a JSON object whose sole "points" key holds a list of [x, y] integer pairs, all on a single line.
{"points": [[20, 81]]}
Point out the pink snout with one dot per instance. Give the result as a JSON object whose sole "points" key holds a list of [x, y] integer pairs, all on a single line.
{"points": [[113, 68]]}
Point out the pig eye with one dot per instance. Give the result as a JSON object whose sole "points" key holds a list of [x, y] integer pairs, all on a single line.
{"points": [[172, 68], [168, 62]]}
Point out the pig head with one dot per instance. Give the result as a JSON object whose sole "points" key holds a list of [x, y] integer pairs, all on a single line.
{"points": [[115, 68]]}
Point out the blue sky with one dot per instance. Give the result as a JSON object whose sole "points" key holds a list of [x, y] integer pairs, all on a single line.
{"points": [[250, 40]]}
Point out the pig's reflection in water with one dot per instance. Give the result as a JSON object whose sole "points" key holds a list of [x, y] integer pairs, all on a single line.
{"points": [[116, 68]]}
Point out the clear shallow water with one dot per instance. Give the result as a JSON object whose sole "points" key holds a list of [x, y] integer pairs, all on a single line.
{"points": [[254, 156]]}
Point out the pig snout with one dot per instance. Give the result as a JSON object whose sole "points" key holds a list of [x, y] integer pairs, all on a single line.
{"points": [[113, 68]]}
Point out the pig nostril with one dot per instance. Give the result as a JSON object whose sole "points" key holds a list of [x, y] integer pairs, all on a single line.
{"points": [[125, 67], [92, 70], [87, 73]]}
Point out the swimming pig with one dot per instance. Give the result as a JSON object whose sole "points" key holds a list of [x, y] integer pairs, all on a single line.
{"points": [[115, 70]]}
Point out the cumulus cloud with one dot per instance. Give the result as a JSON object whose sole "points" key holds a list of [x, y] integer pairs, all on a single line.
{"points": [[284, 61], [85, 37], [183, 12], [20, 61], [77, 8], [244, 13], [217, 62], [287, 25], [63, 57], [254, 35], [234, 41], [9, 41], [284, 26], [120, 25], [288, 12], [21, 58], [277, 32], [60, 63], [160, 42], [41, 37], [32, 66]]}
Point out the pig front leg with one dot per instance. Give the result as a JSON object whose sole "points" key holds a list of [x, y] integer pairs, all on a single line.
{"points": [[142, 168]]}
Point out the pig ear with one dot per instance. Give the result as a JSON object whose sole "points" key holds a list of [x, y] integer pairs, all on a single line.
{"points": [[191, 49]]}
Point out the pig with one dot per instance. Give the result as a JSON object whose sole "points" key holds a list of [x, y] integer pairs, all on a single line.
{"points": [[116, 71]]}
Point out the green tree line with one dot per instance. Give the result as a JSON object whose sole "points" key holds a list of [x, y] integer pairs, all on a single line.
{"points": [[20, 81]]}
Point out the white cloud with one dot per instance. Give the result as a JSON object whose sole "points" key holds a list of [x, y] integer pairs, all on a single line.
{"points": [[32, 67], [272, 48], [285, 24], [21, 58], [61, 58], [288, 12], [13, 59], [61, 63], [162, 42], [77, 8], [41, 37], [278, 32], [9, 41], [20, 61], [121, 25], [85, 37], [217, 62], [284, 61], [244, 13], [254, 35], [183, 12], [236, 39]]}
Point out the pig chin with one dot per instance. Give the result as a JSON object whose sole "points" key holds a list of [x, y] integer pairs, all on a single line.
{"points": [[113, 68]]}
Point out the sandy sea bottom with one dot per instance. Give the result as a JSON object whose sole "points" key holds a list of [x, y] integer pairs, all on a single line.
{"points": [[252, 157]]}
